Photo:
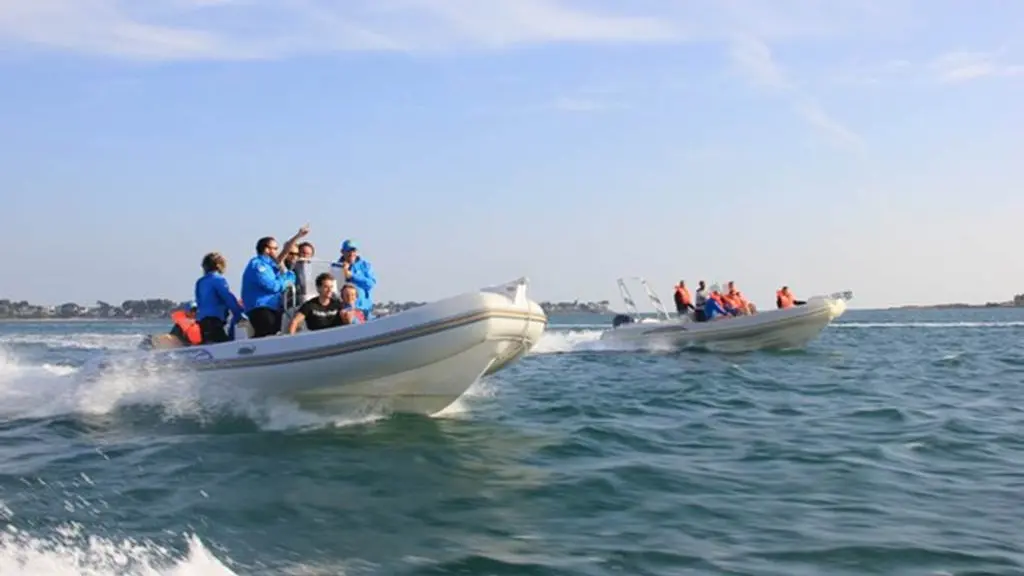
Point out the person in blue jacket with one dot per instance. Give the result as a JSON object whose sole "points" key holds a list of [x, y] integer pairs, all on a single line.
{"points": [[712, 309], [264, 281], [358, 272], [214, 300]]}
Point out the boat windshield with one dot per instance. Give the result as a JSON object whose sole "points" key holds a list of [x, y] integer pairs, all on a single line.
{"points": [[306, 272]]}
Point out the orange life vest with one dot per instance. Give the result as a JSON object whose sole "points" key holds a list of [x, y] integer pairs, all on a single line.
{"points": [[189, 327], [683, 295], [784, 300], [732, 299]]}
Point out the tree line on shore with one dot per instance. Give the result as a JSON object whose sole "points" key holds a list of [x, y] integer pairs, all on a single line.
{"points": [[1017, 302], [162, 307]]}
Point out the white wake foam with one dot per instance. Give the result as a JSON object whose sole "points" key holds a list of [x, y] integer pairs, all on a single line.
{"points": [[44, 391], [75, 340], [562, 340], [70, 552], [554, 341]]}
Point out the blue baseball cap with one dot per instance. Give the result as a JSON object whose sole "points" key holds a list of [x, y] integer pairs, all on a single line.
{"points": [[189, 305], [348, 245]]}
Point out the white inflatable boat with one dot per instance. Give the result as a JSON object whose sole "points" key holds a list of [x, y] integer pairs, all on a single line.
{"points": [[419, 360], [773, 329]]}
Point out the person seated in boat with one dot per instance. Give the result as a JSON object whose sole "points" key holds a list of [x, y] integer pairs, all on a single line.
{"points": [[684, 303], [186, 328], [734, 300], [714, 308], [214, 300], [785, 299], [264, 281], [324, 311], [358, 272], [350, 314]]}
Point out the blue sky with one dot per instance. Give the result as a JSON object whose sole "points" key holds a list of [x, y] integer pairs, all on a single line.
{"points": [[865, 145]]}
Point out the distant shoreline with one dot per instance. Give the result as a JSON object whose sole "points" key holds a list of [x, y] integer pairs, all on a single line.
{"points": [[958, 306], [80, 320]]}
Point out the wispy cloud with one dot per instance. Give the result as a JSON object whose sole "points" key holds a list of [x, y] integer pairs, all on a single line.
{"points": [[754, 59], [261, 29], [965, 66], [248, 29]]}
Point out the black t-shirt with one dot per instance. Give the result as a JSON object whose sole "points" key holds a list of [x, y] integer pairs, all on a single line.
{"points": [[319, 316]]}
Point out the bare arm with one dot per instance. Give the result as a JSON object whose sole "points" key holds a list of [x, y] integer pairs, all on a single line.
{"points": [[297, 320], [283, 253]]}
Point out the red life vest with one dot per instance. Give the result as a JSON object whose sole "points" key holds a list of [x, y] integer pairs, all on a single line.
{"points": [[189, 327]]}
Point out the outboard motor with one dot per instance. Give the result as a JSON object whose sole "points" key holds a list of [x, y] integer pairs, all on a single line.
{"points": [[621, 319]]}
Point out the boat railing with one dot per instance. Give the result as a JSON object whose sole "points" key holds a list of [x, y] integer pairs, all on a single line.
{"points": [[627, 297]]}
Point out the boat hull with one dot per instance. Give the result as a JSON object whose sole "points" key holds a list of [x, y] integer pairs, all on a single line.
{"points": [[416, 361], [773, 330]]}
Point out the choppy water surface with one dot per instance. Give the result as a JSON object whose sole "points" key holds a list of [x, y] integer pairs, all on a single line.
{"points": [[893, 445]]}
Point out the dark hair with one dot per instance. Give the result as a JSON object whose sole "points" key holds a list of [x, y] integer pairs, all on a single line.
{"points": [[214, 262], [262, 243], [310, 244], [323, 277]]}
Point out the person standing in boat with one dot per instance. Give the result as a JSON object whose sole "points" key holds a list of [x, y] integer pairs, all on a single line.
{"points": [[300, 265], [321, 312], [291, 292], [700, 302], [214, 300], [684, 303], [785, 299], [264, 281], [357, 271]]}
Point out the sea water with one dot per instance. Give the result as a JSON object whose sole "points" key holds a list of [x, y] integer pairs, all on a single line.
{"points": [[894, 444]]}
